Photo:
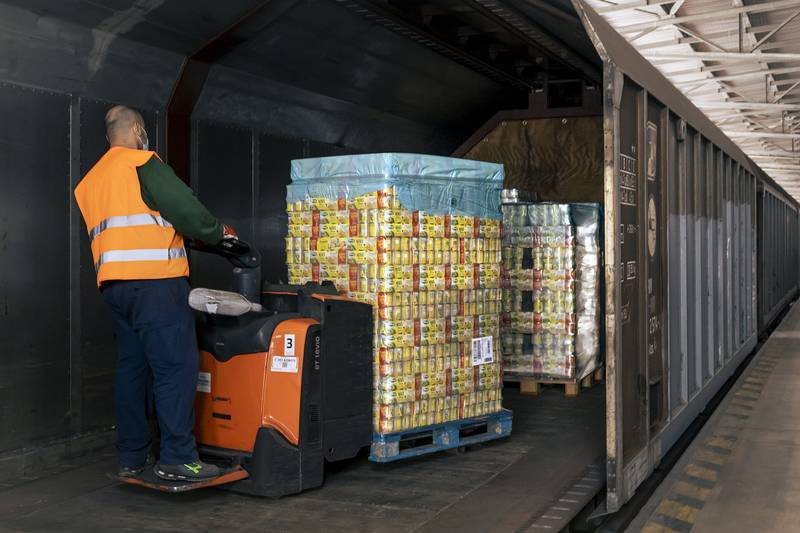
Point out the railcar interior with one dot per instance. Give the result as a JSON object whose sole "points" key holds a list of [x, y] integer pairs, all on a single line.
{"points": [[699, 246]]}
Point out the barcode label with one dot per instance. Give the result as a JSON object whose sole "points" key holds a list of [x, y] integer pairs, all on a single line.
{"points": [[203, 382], [284, 364], [482, 350]]}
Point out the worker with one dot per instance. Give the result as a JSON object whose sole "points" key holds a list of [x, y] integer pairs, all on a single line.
{"points": [[137, 212]]}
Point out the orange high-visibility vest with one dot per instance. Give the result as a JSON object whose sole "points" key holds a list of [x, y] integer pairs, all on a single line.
{"points": [[128, 239]]}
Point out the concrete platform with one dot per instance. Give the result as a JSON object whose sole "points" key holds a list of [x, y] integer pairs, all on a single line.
{"points": [[742, 473], [499, 486]]}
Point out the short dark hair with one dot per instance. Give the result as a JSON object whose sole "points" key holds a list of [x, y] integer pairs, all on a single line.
{"points": [[121, 118]]}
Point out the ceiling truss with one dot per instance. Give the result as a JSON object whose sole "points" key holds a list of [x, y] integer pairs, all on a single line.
{"points": [[737, 60]]}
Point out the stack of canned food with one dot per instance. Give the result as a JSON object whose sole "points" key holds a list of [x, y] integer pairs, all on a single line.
{"points": [[551, 289], [434, 281], [539, 290]]}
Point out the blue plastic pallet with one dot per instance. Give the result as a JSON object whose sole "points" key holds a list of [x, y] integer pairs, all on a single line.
{"points": [[386, 448]]}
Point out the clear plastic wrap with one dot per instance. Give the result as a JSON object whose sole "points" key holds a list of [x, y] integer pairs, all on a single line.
{"points": [[433, 184], [551, 289], [419, 238]]}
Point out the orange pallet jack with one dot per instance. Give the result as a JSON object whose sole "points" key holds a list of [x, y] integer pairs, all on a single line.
{"points": [[285, 381]]}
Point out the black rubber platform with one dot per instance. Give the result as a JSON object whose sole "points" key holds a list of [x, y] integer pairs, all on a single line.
{"points": [[148, 479]]}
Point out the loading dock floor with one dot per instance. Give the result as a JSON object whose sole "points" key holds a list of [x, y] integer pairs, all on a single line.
{"points": [[500, 486], [742, 472]]}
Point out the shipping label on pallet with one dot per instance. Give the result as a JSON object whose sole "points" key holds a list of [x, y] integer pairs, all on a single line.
{"points": [[482, 350]]}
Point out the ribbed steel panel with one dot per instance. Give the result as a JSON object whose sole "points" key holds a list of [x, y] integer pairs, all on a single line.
{"points": [[777, 254]]}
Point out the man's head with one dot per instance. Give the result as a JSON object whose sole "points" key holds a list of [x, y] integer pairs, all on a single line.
{"points": [[125, 127]]}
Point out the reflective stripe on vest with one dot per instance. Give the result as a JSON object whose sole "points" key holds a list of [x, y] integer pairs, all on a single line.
{"points": [[155, 254], [143, 219]]}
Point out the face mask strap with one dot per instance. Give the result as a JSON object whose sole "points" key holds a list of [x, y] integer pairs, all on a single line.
{"points": [[144, 140]]}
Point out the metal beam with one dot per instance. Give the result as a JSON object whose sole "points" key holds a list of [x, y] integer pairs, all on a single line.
{"points": [[724, 56], [627, 6], [699, 37], [527, 30], [556, 12], [778, 43], [768, 36], [742, 86], [764, 166], [665, 63], [715, 14], [194, 73], [391, 18], [749, 74], [675, 7], [762, 135], [715, 104], [787, 91], [641, 34], [775, 153], [710, 35]]}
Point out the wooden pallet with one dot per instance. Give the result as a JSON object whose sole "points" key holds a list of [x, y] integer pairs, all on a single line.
{"points": [[439, 437], [572, 387], [532, 385]]}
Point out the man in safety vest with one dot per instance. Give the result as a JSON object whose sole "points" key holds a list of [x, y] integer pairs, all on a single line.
{"points": [[137, 212]]}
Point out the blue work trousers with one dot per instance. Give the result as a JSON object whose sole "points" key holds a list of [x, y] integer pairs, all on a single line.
{"points": [[155, 333]]}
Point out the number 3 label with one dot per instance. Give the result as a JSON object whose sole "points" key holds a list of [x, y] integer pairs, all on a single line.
{"points": [[288, 344]]}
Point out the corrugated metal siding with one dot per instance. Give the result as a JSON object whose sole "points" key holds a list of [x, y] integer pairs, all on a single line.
{"points": [[677, 355], [711, 271], [778, 254]]}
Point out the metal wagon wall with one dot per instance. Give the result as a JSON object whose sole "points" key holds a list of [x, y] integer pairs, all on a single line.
{"points": [[681, 260], [777, 253]]}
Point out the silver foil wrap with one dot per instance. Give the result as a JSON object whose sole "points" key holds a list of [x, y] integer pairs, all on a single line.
{"points": [[551, 305], [586, 220]]}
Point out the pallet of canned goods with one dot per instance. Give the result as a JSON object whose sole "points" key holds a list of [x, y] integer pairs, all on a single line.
{"points": [[419, 238], [551, 291]]}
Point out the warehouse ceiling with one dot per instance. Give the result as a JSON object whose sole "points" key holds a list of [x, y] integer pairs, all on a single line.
{"points": [[738, 61], [437, 61]]}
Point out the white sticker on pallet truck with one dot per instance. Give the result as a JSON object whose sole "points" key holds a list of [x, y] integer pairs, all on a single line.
{"points": [[284, 364], [288, 344], [203, 382], [482, 350]]}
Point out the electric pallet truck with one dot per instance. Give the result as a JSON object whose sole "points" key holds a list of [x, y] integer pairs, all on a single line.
{"points": [[285, 381]]}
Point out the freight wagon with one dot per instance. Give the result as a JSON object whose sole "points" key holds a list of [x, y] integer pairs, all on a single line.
{"points": [[701, 247]]}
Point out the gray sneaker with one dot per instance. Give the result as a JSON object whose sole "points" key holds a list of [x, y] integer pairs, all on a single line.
{"points": [[130, 471], [134, 471], [196, 471]]}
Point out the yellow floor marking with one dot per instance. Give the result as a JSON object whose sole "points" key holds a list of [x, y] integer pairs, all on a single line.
{"points": [[747, 394], [702, 473], [678, 510], [692, 491], [710, 457], [743, 401], [720, 442], [745, 398], [651, 527]]}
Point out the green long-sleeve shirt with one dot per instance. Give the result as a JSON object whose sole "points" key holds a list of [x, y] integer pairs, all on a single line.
{"points": [[163, 191]]}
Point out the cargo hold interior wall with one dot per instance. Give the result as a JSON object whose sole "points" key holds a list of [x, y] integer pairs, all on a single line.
{"points": [[590, 121], [313, 79]]}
